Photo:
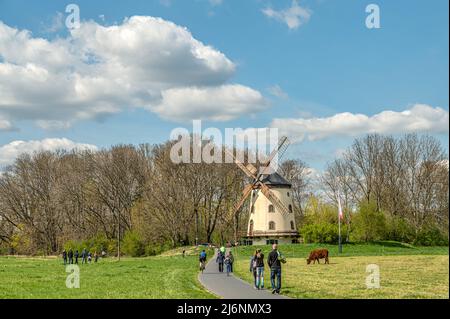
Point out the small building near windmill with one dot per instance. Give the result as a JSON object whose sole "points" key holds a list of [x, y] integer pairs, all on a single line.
{"points": [[268, 223]]}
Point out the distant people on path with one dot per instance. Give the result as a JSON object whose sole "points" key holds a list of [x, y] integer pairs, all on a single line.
{"points": [[202, 260], [220, 260], [89, 257], [253, 267], [77, 254], [274, 261], [259, 258], [64, 256], [84, 256], [227, 262], [230, 254], [95, 256], [70, 255], [184, 253]]}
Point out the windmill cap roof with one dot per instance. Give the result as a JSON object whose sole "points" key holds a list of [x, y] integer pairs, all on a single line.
{"points": [[275, 179]]}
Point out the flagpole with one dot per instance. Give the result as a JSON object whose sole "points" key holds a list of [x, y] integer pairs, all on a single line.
{"points": [[339, 222]]}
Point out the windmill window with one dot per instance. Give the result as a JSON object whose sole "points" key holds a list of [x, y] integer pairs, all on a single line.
{"points": [[271, 225], [290, 208], [292, 225], [253, 209], [288, 194], [271, 209]]}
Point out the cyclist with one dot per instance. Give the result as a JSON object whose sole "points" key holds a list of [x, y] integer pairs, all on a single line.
{"points": [[202, 259]]}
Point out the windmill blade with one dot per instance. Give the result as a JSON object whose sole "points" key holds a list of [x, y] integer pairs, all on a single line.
{"points": [[274, 199], [245, 193], [249, 169], [283, 144]]}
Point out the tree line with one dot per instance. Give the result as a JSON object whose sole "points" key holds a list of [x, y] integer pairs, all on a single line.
{"points": [[391, 188]]}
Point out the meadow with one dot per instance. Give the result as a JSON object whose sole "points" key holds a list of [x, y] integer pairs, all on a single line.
{"points": [[164, 277], [406, 272]]}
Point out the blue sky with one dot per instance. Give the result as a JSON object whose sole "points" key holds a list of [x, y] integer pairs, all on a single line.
{"points": [[326, 70]]}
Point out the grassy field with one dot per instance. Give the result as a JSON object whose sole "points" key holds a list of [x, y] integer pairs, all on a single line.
{"points": [[405, 272], [155, 277]]}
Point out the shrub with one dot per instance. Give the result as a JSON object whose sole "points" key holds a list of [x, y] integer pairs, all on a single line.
{"points": [[325, 233], [430, 236], [133, 245], [368, 224], [398, 229]]}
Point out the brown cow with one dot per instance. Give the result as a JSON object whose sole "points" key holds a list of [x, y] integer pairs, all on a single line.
{"points": [[318, 254]]}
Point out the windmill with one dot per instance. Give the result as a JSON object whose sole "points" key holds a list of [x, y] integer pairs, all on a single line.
{"points": [[271, 202]]}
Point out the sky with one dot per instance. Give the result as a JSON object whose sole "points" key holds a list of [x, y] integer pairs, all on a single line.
{"points": [[132, 71]]}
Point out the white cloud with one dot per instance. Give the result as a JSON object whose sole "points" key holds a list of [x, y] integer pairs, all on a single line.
{"points": [[9, 152], [220, 103], [99, 70], [294, 16], [278, 92], [419, 118], [5, 125]]}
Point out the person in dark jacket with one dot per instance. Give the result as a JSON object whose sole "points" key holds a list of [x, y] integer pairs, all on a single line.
{"points": [[259, 269], [76, 255], [84, 256], [274, 261], [70, 255], [64, 256], [253, 268], [220, 260]]}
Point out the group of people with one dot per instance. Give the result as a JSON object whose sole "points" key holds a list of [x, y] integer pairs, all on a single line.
{"points": [[274, 261], [225, 259], [70, 257], [257, 265]]}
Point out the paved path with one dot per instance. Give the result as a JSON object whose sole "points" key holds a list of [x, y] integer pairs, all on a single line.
{"points": [[231, 287]]}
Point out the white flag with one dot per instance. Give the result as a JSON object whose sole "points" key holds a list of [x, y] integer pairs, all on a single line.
{"points": [[341, 214]]}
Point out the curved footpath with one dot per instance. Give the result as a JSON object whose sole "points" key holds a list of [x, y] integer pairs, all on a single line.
{"points": [[231, 287]]}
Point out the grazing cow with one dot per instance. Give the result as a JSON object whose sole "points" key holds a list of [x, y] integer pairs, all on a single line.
{"points": [[318, 254]]}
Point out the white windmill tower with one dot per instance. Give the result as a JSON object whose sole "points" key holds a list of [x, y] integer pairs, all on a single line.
{"points": [[271, 216]]}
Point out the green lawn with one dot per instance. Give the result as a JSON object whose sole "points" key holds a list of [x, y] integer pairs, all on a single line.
{"points": [[155, 277], [404, 272]]}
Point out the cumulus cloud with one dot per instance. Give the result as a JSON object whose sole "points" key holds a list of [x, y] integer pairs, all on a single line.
{"points": [[293, 17], [9, 152], [221, 103], [418, 118], [99, 70]]}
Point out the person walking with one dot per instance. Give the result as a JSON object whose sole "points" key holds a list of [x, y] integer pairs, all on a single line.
{"points": [[253, 268], [259, 269], [274, 261], [84, 256], [220, 260], [70, 255], [95, 256], [89, 257], [231, 261], [227, 262], [77, 254], [64, 256]]}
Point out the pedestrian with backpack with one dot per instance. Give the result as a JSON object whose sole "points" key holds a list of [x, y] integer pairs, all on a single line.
{"points": [[220, 260], [274, 261]]}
